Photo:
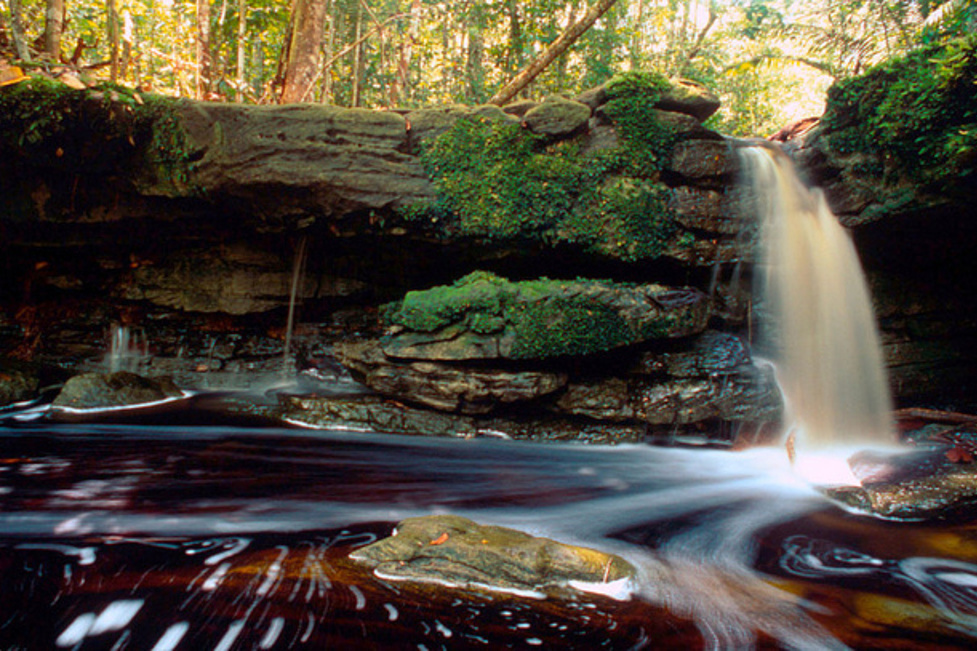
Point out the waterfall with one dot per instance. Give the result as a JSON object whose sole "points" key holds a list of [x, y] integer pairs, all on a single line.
{"points": [[829, 361], [127, 349], [298, 266]]}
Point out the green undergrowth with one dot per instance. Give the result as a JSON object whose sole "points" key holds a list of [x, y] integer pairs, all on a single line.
{"points": [[916, 114], [498, 181], [546, 318], [105, 130]]}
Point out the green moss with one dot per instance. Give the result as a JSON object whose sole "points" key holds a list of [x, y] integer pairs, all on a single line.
{"points": [[565, 327], [632, 97], [107, 130], [917, 114], [498, 181], [548, 318]]}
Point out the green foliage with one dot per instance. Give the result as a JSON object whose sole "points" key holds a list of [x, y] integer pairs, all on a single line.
{"points": [[498, 181], [546, 318], [101, 131], [917, 113]]}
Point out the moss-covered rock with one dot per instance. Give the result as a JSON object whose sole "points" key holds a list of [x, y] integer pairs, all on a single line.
{"points": [[455, 551], [498, 181], [483, 316], [913, 117], [121, 389]]}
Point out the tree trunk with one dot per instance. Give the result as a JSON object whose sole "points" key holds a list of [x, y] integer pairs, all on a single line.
{"points": [[302, 65], [53, 28], [242, 23], [357, 62], [202, 56], [556, 48], [113, 17], [17, 29], [514, 61]]}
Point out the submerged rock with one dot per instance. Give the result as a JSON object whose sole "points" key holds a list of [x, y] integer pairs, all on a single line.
{"points": [[100, 390], [452, 550]]}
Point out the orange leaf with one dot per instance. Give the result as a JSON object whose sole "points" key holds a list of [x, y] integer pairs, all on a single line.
{"points": [[440, 540], [11, 75]]}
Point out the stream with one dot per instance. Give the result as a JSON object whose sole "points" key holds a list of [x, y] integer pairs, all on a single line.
{"points": [[175, 531]]}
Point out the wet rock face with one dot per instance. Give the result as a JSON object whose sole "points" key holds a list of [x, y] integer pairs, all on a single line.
{"points": [[917, 485], [233, 279], [98, 390], [466, 390], [452, 550], [18, 382]]}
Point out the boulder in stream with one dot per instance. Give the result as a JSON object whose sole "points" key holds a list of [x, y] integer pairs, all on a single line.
{"points": [[455, 551], [121, 389]]}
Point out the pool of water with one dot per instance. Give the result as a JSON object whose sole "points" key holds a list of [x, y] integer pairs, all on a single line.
{"points": [[118, 533]]}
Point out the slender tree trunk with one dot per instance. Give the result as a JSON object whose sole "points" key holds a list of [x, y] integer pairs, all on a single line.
{"points": [[638, 41], [302, 65], [202, 56], [113, 17], [556, 48], [328, 47], [242, 25], [53, 28], [515, 38], [17, 29], [357, 62], [476, 48]]}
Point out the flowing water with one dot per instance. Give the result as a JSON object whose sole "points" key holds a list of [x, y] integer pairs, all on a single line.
{"points": [[128, 350], [192, 534], [828, 356]]}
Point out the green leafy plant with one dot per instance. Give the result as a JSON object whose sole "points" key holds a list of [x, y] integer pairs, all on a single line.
{"points": [[917, 113]]}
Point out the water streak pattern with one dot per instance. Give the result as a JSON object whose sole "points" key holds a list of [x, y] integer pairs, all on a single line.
{"points": [[828, 354]]}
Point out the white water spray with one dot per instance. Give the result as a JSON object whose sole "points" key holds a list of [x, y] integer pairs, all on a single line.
{"points": [[829, 362]]}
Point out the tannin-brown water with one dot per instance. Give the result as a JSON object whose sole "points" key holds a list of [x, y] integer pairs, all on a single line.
{"points": [[191, 534]]}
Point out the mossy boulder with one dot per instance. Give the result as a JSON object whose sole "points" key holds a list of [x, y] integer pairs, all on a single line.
{"points": [[558, 117], [455, 551], [121, 389], [691, 98], [484, 316]]}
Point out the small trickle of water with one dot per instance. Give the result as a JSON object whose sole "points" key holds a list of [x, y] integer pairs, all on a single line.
{"points": [[128, 349], [298, 267], [829, 359]]}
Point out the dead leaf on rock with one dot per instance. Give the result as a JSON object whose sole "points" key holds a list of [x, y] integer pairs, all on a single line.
{"points": [[72, 81], [11, 75]]}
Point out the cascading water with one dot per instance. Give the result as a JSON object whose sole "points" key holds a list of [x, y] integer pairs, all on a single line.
{"points": [[829, 359], [127, 349]]}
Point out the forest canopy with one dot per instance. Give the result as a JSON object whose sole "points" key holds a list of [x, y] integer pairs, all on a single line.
{"points": [[771, 61]]}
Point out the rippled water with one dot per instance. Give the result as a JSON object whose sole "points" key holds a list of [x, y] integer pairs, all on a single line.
{"points": [[192, 536]]}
